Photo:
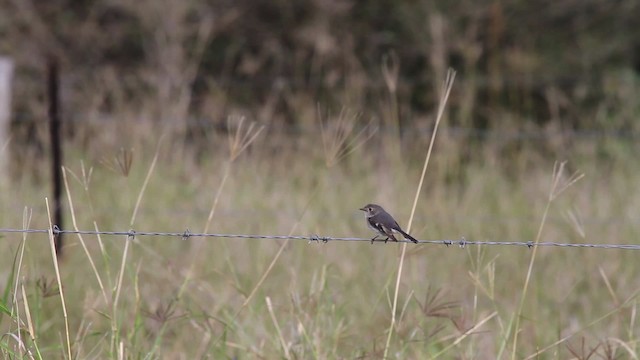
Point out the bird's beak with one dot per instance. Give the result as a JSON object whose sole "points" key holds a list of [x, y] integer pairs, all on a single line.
{"points": [[363, 209]]}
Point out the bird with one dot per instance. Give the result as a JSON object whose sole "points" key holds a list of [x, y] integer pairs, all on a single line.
{"points": [[383, 223]]}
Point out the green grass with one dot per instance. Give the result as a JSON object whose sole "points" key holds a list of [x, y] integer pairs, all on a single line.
{"points": [[184, 299]]}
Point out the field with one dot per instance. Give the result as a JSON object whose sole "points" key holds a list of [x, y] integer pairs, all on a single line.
{"points": [[282, 119], [164, 297]]}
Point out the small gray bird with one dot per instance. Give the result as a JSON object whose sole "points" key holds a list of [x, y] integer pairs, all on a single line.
{"points": [[384, 224]]}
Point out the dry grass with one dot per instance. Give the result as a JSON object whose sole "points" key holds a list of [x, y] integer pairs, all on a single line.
{"points": [[166, 298]]}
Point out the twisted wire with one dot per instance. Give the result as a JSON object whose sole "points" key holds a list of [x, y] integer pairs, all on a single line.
{"points": [[185, 235]]}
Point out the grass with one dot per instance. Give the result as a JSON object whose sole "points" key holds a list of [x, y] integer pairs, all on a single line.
{"points": [[157, 297]]}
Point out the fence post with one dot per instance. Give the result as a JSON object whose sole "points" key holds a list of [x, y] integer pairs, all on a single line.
{"points": [[6, 75], [55, 123]]}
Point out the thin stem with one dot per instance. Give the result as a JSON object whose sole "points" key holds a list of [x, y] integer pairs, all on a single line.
{"points": [[448, 84], [59, 279]]}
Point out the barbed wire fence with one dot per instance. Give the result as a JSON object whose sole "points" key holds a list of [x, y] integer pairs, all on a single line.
{"points": [[187, 234]]}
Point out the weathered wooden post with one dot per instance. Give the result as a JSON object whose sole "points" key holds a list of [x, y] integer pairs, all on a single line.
{"points": [[55, 123]]}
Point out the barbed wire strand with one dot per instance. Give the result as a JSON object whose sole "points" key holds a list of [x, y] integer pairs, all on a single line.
{"points": [[316, 238]]}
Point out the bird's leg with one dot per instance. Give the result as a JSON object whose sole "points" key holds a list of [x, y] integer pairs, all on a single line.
{"points": [[374, 238]]}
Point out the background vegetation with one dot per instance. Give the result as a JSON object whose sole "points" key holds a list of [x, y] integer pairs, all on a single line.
{"points": [[277, 117]]}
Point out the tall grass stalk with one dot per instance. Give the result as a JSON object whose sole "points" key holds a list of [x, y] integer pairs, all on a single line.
{"points": [[121, 165], [283, 342], [114, 315], [27, 314], [80, 238], [557, 187], [59, 279], [447, 85], [27, 215], [238, 142]]}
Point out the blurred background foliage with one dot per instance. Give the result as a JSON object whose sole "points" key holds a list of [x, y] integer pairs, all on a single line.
{"points": [[554, 66]]}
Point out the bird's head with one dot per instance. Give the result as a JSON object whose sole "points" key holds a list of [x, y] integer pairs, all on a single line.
{"points": [[371, 209]]}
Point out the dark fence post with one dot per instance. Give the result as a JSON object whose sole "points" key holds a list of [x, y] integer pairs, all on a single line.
{"points": [[53, 85]]}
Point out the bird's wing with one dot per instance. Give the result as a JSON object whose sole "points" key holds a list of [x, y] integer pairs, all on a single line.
{"points": [[375, 225]]}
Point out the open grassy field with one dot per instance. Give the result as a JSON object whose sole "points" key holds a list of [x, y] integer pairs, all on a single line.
{"points": [[539, 143], [161, 297]]}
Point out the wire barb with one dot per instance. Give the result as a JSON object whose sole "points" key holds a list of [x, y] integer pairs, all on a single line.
{"points": [[317, 238], [186, 235]]}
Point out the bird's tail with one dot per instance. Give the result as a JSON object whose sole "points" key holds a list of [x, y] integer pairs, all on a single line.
{"points": [[407, 236]]}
